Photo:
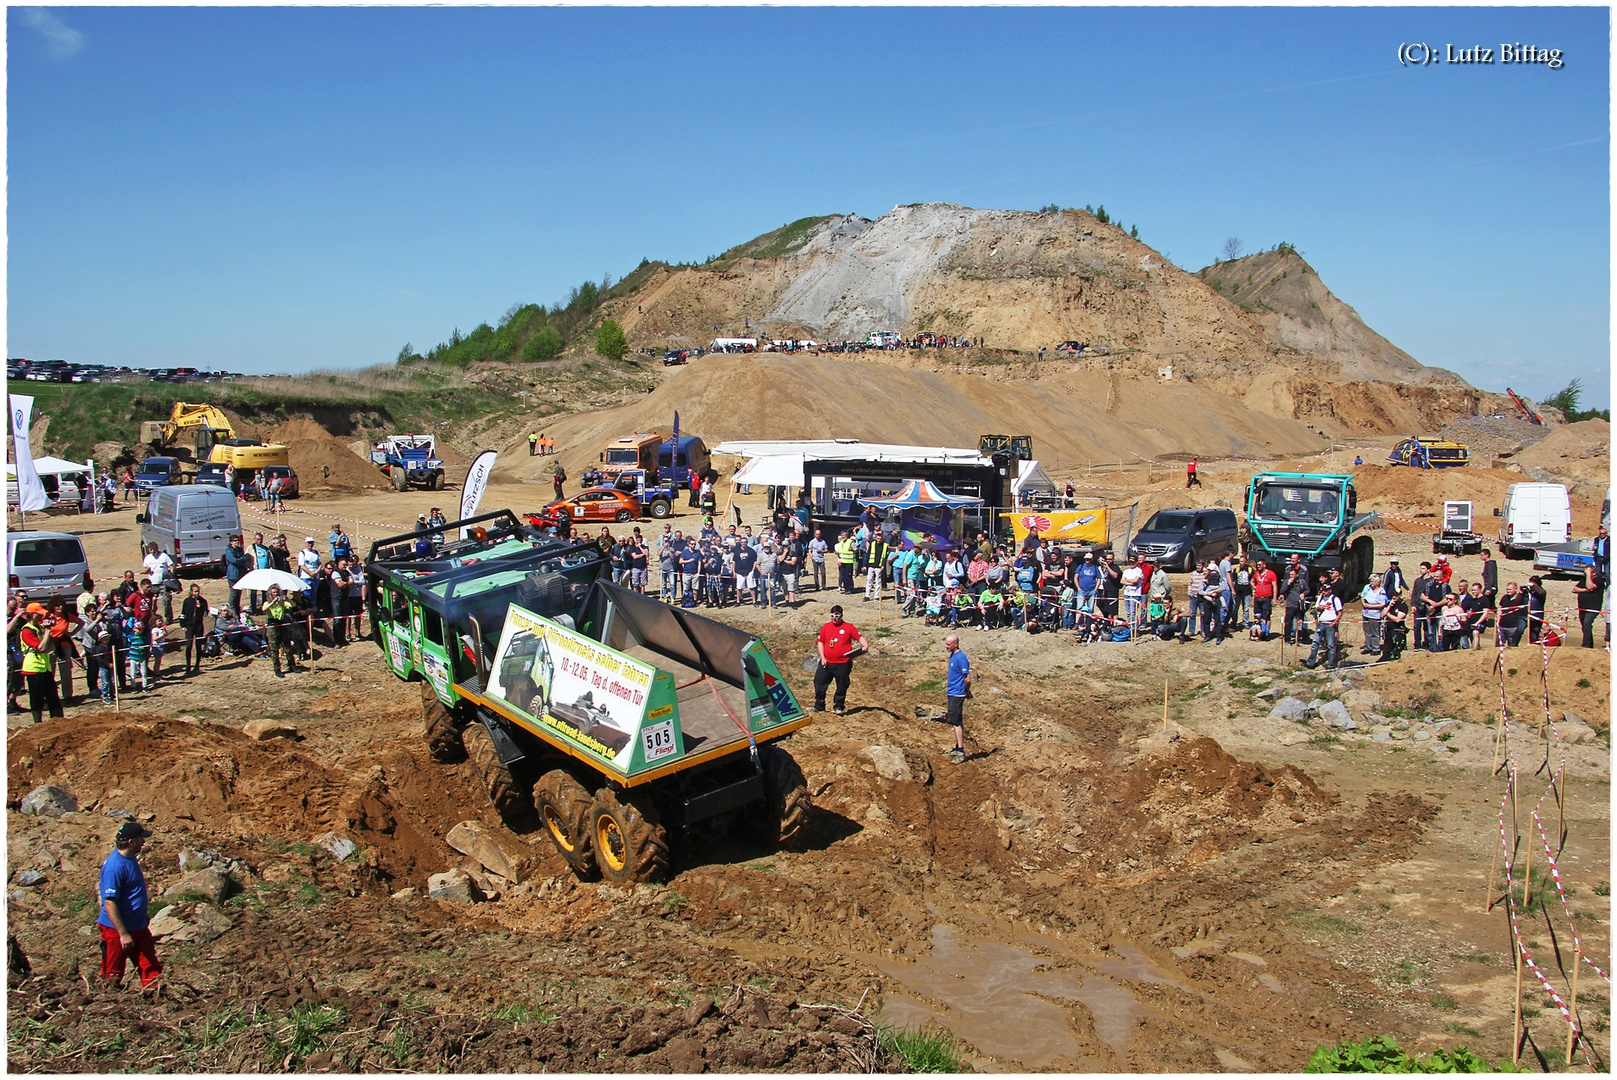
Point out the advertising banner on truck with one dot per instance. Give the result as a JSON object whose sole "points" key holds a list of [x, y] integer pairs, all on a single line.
{"points": [[590, 696]]}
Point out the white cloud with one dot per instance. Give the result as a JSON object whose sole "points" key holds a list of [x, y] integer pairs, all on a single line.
{"points": [[62, 40]]}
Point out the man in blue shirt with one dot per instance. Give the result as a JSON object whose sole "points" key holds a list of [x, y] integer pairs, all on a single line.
{"points": [[746, 560], [690, 572], [123, 918], [958, 687]]}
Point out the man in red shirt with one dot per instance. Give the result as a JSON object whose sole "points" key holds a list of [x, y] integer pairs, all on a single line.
{"points": [[1265, 583], [1442, 571], [839, 643]]}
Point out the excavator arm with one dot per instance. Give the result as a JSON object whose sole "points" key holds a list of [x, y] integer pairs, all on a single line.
{"points": [[187, 416]]}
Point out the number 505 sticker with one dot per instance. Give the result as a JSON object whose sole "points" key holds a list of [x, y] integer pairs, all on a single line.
{"points": [[659, 740]]}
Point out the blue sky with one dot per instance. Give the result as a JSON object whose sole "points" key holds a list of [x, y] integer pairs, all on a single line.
{"points": [[283, 189]]}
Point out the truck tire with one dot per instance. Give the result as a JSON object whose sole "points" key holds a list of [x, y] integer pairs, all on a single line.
{"points": [[661, 508], [503, 790], [782, 818], [439, 729], [1360, 563], [628, 838], [436, 483], [400, 478], [564, 807]]}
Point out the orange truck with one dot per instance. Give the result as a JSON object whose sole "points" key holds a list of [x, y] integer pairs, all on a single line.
{"points": [[636, 451]]}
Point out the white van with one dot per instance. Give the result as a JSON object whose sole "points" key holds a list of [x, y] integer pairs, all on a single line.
{"points": [[192, 523], [45, 564], [1534, 515]]}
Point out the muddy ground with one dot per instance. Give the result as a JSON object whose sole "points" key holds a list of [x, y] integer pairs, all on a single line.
{"points": [[1091, 890]]}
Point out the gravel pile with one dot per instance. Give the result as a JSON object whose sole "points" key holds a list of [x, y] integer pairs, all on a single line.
{"points": [[1493, 436]]}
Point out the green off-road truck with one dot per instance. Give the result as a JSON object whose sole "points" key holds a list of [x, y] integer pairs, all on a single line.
{"points": [[1314, 515], [622, 722]]}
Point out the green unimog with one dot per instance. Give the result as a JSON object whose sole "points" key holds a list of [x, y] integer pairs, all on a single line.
{"points": [[621, 721]]}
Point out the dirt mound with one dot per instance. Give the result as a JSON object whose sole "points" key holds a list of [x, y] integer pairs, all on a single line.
{"points": [[215, 777], [322, 462], [1580, 451], [1194, 800]]}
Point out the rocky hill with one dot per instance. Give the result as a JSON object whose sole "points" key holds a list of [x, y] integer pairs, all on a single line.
{"points": [[1283, 294], [1264, 330]]}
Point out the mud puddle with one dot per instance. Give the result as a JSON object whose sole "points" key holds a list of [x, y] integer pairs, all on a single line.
{"points": [[1008, 1002]]}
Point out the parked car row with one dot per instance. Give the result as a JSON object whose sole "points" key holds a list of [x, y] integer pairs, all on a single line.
{"points": [[60, 371]]}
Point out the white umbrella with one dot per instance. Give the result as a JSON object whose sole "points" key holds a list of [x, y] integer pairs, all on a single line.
{"points": [[261, 579]]}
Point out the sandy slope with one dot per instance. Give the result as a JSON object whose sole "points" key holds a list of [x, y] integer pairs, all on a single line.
{"points": [[772, 396]]}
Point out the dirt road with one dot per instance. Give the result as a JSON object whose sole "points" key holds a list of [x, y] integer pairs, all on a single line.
{"points": [[1090, 890]]}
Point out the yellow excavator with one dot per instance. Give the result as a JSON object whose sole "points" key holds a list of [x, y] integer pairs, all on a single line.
{"points": [[216, 439]]}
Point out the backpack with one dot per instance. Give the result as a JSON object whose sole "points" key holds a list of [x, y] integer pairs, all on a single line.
{"points": [[561, 474]]}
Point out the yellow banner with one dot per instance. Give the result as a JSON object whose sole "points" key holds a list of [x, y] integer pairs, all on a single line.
{"points": [[1061, 526]]}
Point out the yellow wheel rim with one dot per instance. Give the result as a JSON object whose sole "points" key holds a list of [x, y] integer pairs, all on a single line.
{"points": [[558, 830], [609, 844]]}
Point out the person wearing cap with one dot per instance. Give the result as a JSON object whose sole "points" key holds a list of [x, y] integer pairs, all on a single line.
{"points": [[1328, 616], [1373, 604], [1442, 571], [1394, 577], [1394, 625], [123, 919], [39, 663], [309, 560], [839, 642]]}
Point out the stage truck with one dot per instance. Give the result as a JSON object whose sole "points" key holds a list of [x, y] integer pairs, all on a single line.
{"points": [[629, 727]]}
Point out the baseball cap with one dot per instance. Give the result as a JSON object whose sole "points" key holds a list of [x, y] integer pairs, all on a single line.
{"points": [[1442, 558], [308, 539], [1394, 559], [35, 609], [130, 830]]}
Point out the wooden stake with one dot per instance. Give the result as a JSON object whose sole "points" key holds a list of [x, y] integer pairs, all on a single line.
{"points": [[1493, 868], [1527, 877], [1164, 704], [1572, 1031], [1516, 1043]]}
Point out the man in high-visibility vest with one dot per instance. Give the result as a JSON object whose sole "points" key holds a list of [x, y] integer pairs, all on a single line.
{"points": [[39, 664], [533, 441], [278, 628], [846, 555]]}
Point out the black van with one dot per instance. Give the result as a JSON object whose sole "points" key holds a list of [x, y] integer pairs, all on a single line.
{"points": [[1177, 539]]}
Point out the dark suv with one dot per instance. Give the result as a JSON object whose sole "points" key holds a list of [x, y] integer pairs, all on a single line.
{"points": [[1177, 539]]}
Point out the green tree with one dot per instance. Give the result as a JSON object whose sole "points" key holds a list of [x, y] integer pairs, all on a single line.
{"points": [[610, 341], [1567, 401], [544, 345]]}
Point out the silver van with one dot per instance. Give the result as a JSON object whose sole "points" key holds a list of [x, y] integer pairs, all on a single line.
{"points": [[45, 564], [192, 523]]}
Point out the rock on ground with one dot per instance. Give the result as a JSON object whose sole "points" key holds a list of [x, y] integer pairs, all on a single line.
{"points": [[264, 730], [1336, 714], [1290, 708], [502, 855], [887, 761], [454, 886], [209, 883], [50, 800]]}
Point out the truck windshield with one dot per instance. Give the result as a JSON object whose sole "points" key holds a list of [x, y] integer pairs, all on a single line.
{"points": [[1295, 502], [623, 457]]}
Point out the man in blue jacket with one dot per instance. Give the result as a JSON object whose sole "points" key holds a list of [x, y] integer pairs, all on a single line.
{"points": [[123, 919], [237, 563]]}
